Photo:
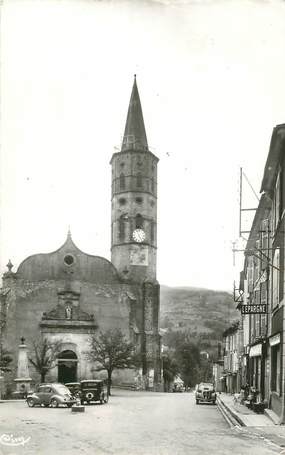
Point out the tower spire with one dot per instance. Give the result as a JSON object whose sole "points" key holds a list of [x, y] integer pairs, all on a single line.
{"points": [[135, 135]]}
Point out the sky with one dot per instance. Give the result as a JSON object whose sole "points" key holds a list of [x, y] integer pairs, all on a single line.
{"points": [[211, 80]]}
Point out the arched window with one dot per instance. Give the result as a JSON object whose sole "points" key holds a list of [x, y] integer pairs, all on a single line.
{"points": [[139, 221], [122, 181], [122, 228], [152, 229], [139, 180]]}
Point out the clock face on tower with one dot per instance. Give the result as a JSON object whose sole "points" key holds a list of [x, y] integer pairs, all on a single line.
{"points": [[138, 235]]}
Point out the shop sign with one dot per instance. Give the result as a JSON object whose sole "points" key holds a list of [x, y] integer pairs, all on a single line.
{"points": [[255, 351], [275, 339], [254, 309]]}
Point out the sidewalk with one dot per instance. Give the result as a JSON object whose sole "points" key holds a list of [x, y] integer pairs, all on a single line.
{"points": [[258, 424], [244, 417]]}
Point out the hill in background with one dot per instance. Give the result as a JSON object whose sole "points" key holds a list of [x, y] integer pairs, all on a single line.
{"points": [[202, 313]]}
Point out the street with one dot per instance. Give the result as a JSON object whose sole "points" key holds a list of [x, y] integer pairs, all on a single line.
{"points": [[131, 423]]}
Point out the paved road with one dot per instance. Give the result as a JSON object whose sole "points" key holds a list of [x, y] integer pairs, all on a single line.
{"points": [[131, 423]]}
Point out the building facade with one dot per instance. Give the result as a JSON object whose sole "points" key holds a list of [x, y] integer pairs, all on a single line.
{"points": [[273, 186], [67, 295], [262, 363], [232, 340]]}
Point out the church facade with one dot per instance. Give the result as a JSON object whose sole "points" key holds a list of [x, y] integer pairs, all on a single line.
{"points": [[67, 295]]}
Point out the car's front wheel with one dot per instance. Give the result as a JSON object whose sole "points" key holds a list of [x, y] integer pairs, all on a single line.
{"points": [[31, 402], [54, 403], [69, 405]]}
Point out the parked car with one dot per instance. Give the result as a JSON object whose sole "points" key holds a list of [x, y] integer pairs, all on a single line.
{"points": [[50, 395], [205, 393], [74, 388], [93, 390]]}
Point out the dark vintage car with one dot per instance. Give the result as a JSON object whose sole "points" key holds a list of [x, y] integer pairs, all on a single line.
{"points": [[178, 387], [93, 390], [205, 393], [51, 395], [74, 388]]}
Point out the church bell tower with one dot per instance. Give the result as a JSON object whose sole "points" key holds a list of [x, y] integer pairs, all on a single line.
{"points": [[134, 200]]}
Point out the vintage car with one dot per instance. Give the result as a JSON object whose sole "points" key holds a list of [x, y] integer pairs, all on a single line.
{"points": [[178, 387], [74, 388], [93, 390], [51, 395], [205, 393]]}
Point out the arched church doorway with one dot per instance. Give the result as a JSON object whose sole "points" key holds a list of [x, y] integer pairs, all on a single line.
{"points": [[67, 366]]}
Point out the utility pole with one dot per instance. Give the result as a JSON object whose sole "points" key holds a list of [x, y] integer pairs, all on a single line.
{"points": [[241, 209]]}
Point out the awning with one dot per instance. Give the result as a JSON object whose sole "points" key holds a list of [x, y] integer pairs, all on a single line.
{"points": [[255, 351], [275, 339]]}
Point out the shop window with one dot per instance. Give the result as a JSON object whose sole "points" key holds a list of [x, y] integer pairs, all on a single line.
{"points": [[275, 368]]}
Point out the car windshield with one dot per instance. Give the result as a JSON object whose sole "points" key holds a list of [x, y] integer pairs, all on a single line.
{"points": [[94, 385], [61, 389], [206, 386]]}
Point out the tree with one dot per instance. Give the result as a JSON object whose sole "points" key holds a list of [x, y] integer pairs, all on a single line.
{"points": [[5, 360], [5, 357], [205, 370], [170, 370], [111, 350], [44, 356], [188, 359]]}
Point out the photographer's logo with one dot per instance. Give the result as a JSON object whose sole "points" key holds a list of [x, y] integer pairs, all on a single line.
{"points": [[13, 440]]}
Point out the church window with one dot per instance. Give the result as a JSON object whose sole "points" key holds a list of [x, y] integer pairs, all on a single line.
{"points": [[139, 221], [122, 201], [139, 200], [122, 227], [152, 185], [68, 259], [122, 182], [152, 231], [122, 164], [139, 180]]}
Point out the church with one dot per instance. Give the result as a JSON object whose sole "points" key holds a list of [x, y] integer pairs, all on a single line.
{"points": [[67, 295]]}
